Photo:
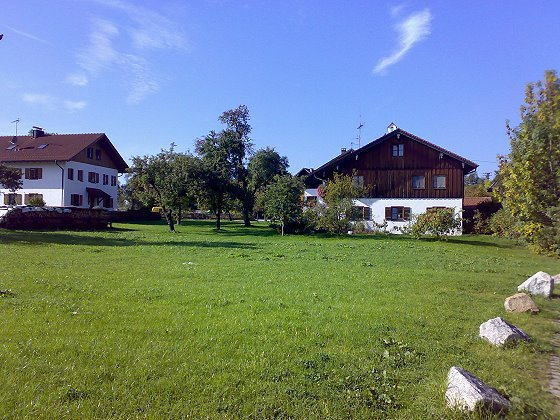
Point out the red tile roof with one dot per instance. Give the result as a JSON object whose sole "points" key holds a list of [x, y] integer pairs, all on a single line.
{"points": [[61, 147], [475, 201]]}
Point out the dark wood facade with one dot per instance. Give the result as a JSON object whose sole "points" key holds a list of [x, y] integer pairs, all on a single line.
{"points": [[388, 176]]}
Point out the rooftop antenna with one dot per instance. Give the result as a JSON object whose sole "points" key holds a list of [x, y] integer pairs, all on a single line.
{"points": [[16, 121], [359, 138]]}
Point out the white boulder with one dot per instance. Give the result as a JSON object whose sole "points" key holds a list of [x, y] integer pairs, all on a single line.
{"points": [[499, 332], [468, 393], [540, 283]]}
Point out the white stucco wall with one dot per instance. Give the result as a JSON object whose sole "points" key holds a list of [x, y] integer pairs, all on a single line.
{"points": [[417, 206], [50, 186], [77, 187]]}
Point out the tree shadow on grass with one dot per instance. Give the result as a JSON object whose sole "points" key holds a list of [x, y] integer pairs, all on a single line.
{"points": [[107, 239]]}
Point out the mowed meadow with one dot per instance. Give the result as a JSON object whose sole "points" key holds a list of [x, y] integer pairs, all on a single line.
{"points": [[137, 322]]}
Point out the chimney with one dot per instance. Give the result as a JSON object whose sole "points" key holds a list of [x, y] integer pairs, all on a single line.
{"points": [[343, 150], [391, 127], [37, 132]]}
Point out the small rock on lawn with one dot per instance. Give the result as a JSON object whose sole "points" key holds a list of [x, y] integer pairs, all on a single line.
{"points": [[499, 332], [521, 302], [540, 283], [468, 393]]}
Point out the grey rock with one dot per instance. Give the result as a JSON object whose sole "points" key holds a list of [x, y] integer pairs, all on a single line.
{"points": [[466, 392], [540, 283], [521, 302], [499, 332]]}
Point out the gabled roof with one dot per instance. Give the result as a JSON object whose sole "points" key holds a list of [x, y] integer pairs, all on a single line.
{"points": [[51, 147], [470, 165]]}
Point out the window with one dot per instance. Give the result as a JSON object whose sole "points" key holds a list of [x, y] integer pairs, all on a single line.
{"points": [[398, 150], [93, 177], [360, 213], [418, 182], [80, 175], [33, 173], [105, 179], [29, 196], [98, 154], [439, 181], [89, 152], [358, 181], [42, 146], [70, 173], [113, 180], [12, 199], [76, 199], [108, 202], [397, 214]]}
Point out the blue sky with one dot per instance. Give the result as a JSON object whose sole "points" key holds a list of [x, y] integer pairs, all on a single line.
{"points": [[151, 72]]}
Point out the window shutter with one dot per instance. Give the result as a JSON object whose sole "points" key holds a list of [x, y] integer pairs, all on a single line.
{"points": [[387, 213], [407, 213], [27, 173], [6, 199], [39, 173], [18, 199], [367, 213]]}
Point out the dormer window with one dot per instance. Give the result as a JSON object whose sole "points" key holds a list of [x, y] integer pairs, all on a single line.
{"points": [[398, 150]]}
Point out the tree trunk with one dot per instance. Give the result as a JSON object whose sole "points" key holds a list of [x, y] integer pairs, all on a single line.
{"points": [[282, 228], [179, 215], [169, 219], [218, 219], [246, 216]]}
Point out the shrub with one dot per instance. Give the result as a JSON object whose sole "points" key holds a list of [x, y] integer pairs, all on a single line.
{"points": [[36, 201], [438, 222], [502, 223]]}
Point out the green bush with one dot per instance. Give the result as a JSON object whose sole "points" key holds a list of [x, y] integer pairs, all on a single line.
{"points": [[438, 222], [36, 202], [502, 223]]}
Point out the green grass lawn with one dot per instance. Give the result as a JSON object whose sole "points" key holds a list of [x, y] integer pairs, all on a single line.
{"points": [[138, 322]]}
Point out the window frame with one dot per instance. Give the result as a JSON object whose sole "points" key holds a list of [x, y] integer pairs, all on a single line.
{"points": [[79, 200], [399, 151], [71, 174], [423, 182], [105, 179], [434, 182], [97, 154], [89, 152], [33, 174], [401, 211], [80, 175], [15, 196]]}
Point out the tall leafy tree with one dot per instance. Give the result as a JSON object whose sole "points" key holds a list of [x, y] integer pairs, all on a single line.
{"points": [[217, 171], [236, 141], [10, 178], [282, 200], [165, 179], [529, 175], [263, 166]]}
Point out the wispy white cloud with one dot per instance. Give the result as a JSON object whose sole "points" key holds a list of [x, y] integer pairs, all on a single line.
{"points": [[77, 79], [397, 9], [109, 48], [29, 36], [412, 30], [51, 102], [74, 105], [149, 28]]}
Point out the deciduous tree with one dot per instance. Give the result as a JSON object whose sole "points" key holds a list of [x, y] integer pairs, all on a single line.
{"points": [[282, 200], [529, 175]]}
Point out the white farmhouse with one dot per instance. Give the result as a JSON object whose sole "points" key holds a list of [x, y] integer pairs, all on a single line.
{"points": [[77, 170]]}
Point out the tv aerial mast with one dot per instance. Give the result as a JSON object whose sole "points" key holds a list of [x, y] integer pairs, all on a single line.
{"points": [[16, 122]]}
